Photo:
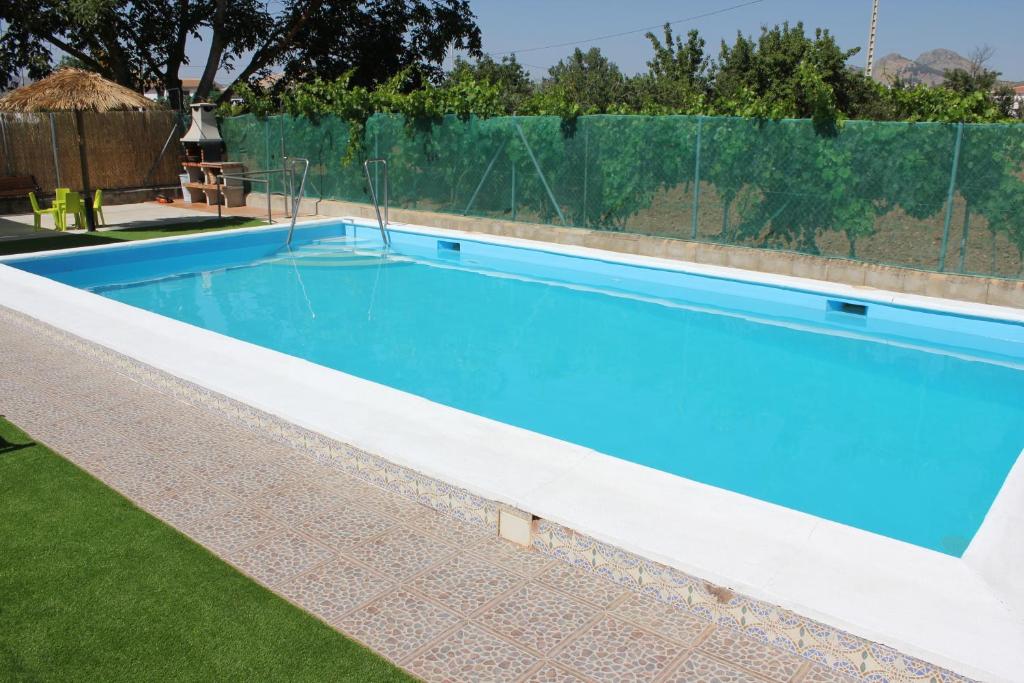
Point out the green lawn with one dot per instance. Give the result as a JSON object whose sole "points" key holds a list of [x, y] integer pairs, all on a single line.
{"points": [[88, 239], [93, 588]]}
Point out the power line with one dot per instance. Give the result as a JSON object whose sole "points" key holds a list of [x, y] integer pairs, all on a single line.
{"points": [[712, 13]]}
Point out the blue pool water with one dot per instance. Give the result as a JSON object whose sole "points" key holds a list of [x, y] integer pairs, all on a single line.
{"points": [[897, 421]]}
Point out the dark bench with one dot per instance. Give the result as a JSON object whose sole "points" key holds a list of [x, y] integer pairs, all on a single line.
{"points": [[17, 186]]}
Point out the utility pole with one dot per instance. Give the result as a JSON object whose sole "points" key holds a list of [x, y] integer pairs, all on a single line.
{"points": [[871, 39]]}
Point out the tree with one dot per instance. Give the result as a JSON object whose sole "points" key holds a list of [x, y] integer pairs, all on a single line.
{"points": [[588, 80], [136, 43], [977, 78], [788, 72], [679, 76], [508, 75], [964, 82]]}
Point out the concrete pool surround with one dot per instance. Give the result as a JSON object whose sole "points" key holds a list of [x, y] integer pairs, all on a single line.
{"points": [[779, 575]]}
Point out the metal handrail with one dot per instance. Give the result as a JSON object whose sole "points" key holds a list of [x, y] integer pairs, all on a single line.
{"points": [[373, 196], [245, 177], [296, 198], [241, 174]]}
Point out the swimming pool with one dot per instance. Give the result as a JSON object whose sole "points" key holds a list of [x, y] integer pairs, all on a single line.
{"points": [[894, 420]]}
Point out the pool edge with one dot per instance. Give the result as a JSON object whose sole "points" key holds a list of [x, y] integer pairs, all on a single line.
{"points": [[723, 606], [602, 555]]}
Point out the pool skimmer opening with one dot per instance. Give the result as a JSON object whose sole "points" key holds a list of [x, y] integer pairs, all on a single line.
{"points": [[836, 306]]}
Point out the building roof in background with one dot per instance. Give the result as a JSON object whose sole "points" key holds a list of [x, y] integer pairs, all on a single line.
{"points": [[269, 80], [193, 83], [187, 84]]}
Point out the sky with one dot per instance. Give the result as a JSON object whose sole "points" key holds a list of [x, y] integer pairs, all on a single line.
{"points": [[908, 27]]}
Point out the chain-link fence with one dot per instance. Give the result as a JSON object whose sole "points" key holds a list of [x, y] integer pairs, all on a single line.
{"points": [[933, 196]]}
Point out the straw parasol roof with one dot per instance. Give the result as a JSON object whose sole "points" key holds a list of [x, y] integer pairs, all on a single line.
{"points": [[73, 90]]}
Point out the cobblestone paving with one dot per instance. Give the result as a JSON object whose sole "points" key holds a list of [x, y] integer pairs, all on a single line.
{"points": [[443, 599]]}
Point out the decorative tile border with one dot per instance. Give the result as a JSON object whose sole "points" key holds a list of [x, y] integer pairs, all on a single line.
{"points": [[842, 652]]}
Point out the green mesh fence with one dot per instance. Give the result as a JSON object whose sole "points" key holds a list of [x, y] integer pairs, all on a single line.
{"points": [[942, 197]]}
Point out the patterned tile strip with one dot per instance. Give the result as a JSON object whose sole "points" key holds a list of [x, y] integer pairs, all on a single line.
{"points": [[631, 617]]}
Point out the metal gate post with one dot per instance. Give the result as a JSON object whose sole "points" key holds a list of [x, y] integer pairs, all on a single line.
{"points": [[696, 179], [53, 146]]}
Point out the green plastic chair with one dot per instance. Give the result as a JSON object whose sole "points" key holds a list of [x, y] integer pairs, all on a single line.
{"points": [[72, 204], [59, 199], [37, 213], [97, 207]]}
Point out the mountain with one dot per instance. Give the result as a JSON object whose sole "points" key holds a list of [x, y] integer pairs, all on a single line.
{"points": [[927, 68], [943, 59]]}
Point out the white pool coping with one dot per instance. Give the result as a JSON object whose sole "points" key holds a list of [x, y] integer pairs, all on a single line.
{"points": [[966, 613]]}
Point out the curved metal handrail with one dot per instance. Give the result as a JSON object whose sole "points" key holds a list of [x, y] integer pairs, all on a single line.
{"points": [[373, 196], [247, 177], [296, 197]]}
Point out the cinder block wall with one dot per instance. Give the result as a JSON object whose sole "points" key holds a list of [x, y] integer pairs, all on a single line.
{"points": [[971, 288]]}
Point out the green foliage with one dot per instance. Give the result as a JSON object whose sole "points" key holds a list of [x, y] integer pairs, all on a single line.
{"points": [[586, 79], [684, 63], [783, 73], [786, 155], [421, 106], [250, 100], [512, 80], [924, 103], [965, 82], [678, 80], [69, 62], [139, 44], [983, 81], [793, 74]]}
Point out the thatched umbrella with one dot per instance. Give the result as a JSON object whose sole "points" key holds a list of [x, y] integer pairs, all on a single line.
{"points": [[75, 90]]}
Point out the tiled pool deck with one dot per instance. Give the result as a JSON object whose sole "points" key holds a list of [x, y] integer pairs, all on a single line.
{"points": [[445, 599]]}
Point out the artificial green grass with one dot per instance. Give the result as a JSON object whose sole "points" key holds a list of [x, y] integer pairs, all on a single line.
{"points": [[89, 239], [93, 588]]}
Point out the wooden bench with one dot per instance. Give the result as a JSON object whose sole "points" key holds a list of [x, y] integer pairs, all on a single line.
{"points": [[17, 186]]}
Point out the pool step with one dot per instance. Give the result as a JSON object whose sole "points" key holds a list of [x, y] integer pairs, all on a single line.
{"points": [[342, 252], [332, 250], [345, 245], [366, 261]]}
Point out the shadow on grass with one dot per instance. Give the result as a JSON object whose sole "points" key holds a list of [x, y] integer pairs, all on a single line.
{"points": [[11, 446], [91, 239], [172, 228], [8, 447]]}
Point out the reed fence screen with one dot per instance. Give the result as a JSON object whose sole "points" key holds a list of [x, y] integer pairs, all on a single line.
{"points": [[931, 196], [121, 148]]}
